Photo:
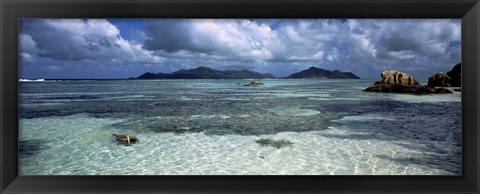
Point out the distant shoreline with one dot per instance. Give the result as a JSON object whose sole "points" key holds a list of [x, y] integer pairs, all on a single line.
{"points": [[121, 79]]}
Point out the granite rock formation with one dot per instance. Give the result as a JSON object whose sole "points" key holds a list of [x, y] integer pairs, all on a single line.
{"points": [[397, 78], [439, 80], [399, 82]]}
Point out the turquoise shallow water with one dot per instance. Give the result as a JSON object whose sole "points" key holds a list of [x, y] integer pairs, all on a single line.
{"points": [[213, 127]]}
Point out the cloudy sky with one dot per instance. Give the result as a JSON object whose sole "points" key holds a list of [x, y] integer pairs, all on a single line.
{"points": [[122, 48]]}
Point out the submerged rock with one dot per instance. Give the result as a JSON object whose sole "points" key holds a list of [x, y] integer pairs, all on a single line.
{"points": [[31, 147], [254, 83], [439, 80], [275, 143], [124, 140], [416, 89]]}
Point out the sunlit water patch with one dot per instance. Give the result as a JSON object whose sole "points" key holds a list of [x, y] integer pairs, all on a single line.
{"points": [[79, 145], [455, 97]]}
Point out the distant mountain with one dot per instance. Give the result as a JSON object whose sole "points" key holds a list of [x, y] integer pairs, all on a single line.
{"points": [[206, 73], [149, 75], [317, 73]]}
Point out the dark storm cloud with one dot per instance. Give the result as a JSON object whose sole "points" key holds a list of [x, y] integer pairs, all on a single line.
{"points": [[169, 35], [357, 31], [415, 39], [398, 43], [59, 42]]}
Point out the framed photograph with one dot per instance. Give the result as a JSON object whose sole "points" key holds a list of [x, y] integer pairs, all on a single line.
{"points": [[239, 96]]}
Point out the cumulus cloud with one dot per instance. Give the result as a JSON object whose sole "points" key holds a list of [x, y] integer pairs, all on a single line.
{"points": [[422, 38], [281, 47], [27, 44], [88, 41], [227, 38]]}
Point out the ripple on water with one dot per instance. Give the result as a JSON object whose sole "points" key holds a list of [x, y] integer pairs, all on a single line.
{"points": [[328, 99], [293, 111], [81, 145], [219, 137], [304, 94]]}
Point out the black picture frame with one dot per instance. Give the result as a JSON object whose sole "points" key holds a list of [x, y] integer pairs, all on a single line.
{"points": [[12, 10]]}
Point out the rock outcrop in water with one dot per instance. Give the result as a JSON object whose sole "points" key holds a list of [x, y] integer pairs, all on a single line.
{"points": [[207, 73], [414, 89], [397, 78], [254, 83], [399, 82], [317, 73], [439, 80], [453, 78], [456, 75]]}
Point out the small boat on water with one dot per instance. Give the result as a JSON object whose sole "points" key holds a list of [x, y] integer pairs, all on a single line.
{"points": [[125, 139]]}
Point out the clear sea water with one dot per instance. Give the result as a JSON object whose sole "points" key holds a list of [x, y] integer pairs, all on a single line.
{"points": [[220, 127]]}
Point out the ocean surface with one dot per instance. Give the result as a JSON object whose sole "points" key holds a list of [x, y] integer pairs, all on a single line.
{"points": [[220, 127]]}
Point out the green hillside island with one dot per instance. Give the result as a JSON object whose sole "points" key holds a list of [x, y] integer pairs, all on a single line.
{"points": [[208, 73], [317, 73]]}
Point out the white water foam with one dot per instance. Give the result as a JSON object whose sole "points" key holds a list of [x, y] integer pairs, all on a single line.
{"points": [[455, 97]]}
